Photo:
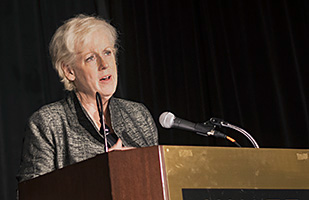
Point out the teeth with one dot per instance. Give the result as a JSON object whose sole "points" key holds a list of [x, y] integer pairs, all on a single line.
{"points": [[106, 77]]}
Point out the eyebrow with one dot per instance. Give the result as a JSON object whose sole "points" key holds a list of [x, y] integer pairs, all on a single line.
{"points": [[91, 51]]}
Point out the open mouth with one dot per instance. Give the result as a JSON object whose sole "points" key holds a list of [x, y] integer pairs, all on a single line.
{"points": [[108, 77]]}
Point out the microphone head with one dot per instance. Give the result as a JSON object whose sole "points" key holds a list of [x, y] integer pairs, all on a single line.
{"points": [[166, 119]]}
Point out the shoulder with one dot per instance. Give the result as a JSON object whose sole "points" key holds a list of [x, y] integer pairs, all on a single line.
{"points": [[137, 121], [124, 101], [129, 109], [48, 112], [130, 106]]}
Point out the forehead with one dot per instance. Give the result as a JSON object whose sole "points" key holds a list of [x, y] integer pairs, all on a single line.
{"points": [[99, 38]]}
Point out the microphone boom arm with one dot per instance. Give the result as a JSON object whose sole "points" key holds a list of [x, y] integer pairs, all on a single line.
{"points": [[220, 122]]}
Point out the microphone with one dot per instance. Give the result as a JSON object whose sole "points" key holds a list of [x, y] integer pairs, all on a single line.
{"points": [[168, 120], [101, 115]]}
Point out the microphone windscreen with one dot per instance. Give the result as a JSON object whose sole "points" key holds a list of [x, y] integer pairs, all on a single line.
{"points": [[166, 119]]}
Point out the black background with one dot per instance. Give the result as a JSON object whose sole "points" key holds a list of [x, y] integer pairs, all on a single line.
{"points": [[243, 61]]}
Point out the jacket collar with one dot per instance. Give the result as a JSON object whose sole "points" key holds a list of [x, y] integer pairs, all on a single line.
{"points": [[81, 117]]}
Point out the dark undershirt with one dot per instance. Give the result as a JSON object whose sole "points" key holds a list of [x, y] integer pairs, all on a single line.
{"points": [[111, 136]]}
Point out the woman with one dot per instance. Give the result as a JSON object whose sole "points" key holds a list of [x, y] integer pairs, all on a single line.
{"points": [[65, 132]]}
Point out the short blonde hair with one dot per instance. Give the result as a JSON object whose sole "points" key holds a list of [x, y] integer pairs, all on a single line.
{"points": [[62, 45]]}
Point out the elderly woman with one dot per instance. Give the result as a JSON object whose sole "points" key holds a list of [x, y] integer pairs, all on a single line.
{"points": [[65, 132]]}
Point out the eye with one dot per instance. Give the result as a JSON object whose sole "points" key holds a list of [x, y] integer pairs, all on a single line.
{"points": [[107, 52], [90, 58]]}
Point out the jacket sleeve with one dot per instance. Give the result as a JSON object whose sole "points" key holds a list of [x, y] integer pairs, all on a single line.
{"points": [[152, 134], [38, 150]]}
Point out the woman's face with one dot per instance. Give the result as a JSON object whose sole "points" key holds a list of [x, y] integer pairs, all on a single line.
{"points": [[95, 67]]}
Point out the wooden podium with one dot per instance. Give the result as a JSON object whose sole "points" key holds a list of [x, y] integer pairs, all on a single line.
{"points": [[178, 172]]}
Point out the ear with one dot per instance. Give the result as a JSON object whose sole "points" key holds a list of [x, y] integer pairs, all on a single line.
{"points": [[68, 72]]}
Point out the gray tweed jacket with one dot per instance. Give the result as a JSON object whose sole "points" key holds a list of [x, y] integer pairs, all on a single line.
{"points": [[62, 133]]}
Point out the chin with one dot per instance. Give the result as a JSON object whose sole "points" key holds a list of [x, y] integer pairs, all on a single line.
{"points": [[107, 94]]}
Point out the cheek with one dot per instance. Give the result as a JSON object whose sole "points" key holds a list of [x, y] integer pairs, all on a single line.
{"points": [[86, 75], [114, 66], [111, 61], [115, 70]]}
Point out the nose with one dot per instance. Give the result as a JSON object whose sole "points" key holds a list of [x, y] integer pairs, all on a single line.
{"points": [[102, 64]]}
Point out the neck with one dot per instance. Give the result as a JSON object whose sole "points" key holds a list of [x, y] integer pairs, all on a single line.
{"points": [[90, 105]]}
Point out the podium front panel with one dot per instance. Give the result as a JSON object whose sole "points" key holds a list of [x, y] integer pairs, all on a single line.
{"points": [[236, 171]]}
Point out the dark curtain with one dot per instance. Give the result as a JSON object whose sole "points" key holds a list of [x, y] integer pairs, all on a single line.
{"points": [[242, 61]]}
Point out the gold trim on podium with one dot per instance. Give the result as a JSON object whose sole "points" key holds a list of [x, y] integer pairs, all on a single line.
{"points": [[234, 168]]}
